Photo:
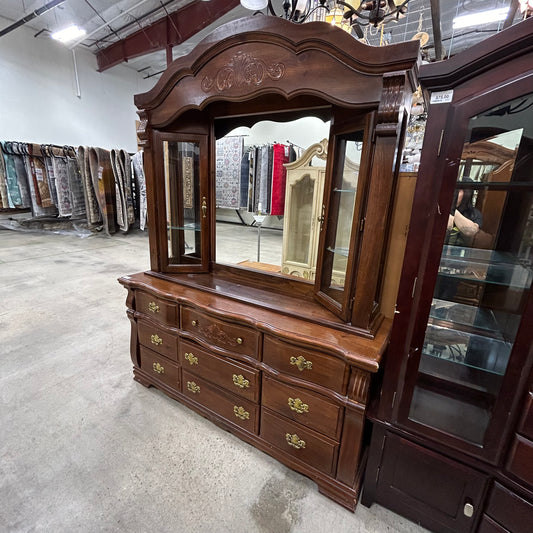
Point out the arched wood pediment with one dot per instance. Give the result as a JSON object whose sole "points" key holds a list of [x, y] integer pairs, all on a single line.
{"points": [[262, 55]]}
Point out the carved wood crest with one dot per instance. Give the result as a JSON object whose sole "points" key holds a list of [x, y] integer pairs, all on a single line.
{"points": [[243, 70], [214, 333]]}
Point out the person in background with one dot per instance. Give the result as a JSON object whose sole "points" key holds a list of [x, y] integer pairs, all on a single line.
{"points": [[464, 221]]}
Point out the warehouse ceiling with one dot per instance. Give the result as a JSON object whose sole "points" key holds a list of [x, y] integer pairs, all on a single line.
{"points": [[146, 34]]}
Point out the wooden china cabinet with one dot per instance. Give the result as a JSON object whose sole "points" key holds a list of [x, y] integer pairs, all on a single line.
{"points": [[281, 362], [452, 437]]}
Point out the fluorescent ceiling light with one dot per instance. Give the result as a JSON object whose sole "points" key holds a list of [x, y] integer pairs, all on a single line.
{"points": [[68, 34], [483, 17]]}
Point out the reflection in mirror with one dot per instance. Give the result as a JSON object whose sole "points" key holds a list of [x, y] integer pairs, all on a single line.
{"points": [[484, 277], [181, 163], [269, 195]]}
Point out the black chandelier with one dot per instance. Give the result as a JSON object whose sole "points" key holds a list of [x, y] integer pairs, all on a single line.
{"points": [[367, 12]]}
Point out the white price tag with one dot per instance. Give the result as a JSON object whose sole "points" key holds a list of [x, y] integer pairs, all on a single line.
{"points": [[100, 173], [39, 174], [441, 97]]}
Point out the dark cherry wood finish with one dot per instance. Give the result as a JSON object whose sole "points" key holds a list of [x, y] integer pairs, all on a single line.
{"points": [[447, 483], [256, 353]]}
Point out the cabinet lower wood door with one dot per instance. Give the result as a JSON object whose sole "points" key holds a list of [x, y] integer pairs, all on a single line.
{"points": [[420, 484], [226, 335], [520, 461], [305, 364], [236, 378], [300, 442], [160, 368], [311, 410], [158, 339], [234, 409]]}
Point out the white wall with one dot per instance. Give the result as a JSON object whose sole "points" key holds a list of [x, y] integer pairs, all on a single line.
{"points": [[38, 101]]}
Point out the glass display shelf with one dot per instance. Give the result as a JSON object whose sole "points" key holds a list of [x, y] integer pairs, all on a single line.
{"points": [[187, 227], [485, 353], [352, 191], [344, 252], [487, 266]]}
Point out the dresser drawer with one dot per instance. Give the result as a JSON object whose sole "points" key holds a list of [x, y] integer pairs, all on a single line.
{"points": [[160, 368], [157, 339], [305, 364], [526, 424], [520, 461], [509, 510], [488, 525], [157, 309], [307, 408], [234, 377], [300, 442], [241, 412], [233, 337]]}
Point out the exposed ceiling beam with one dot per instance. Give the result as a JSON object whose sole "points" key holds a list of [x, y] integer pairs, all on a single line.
{"points": [[168, 31]]}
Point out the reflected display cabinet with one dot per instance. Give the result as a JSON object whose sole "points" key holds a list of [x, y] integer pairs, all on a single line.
{"points": [[451, 440], [283, 363]]}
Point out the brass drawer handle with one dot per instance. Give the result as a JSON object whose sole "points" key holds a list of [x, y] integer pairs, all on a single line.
{"points": [[297, 405], [239, 340], [294, 441], [191, 358], [156, 339], [158, 368], [240, 381], [241, 413], [301, 363], [194, 323], [191, 386], [153, 307]]}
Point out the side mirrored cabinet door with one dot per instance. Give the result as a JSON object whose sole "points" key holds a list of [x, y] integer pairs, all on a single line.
{"points": [[472, 337], [186, 206], [340, 224]]}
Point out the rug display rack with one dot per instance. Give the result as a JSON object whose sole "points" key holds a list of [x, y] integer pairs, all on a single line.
{"points": [[103, 188]]}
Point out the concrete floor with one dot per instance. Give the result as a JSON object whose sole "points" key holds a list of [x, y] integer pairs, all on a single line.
{"points": [[84, 448]]}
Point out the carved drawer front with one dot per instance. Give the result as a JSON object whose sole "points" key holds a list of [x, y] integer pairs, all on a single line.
{"points": [[520, 462], [305, 364], [526, 424], [236, 378], [160, 368], [155, 308], [298, 441], [312, 410], [158, 339], [509, 510], [235, 409], [226, 335]]}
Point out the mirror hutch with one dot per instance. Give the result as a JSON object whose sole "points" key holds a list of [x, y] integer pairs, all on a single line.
{"points": [[452, 437], [281, 361]]}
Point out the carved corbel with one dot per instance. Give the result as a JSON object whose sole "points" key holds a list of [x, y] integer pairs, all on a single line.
{"points": [[143, 132], [391, 104]]}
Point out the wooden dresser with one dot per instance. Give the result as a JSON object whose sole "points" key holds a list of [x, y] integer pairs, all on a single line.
{"points": [[293, 388]]}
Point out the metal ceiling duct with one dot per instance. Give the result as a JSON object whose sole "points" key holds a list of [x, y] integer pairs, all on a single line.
{"points": [[31, 16]]}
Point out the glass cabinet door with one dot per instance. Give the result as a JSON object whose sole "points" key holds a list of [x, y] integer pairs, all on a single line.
{"points": [[186, 206], [341, 225], [473, 333]]}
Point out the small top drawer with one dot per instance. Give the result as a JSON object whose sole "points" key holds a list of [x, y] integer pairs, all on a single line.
{"points": [[233, 337], [305, 364], [509, 510], [157, 309], [526, 424], [236, 378], [520, 461], [310, 409], [157, 339]]}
